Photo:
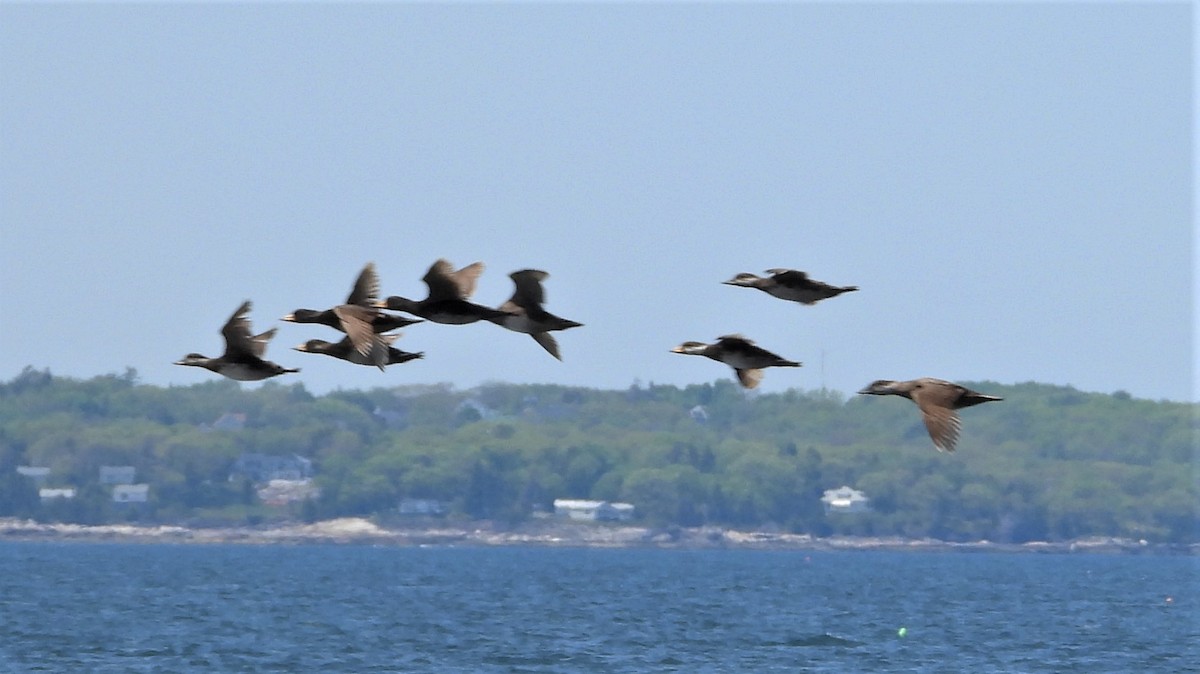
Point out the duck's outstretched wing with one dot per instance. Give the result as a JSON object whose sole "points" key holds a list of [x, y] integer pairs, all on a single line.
{"points": [[944, 427], [238, 340], [356, 322], [529, 289], [366, 287], [447, 284], [547, 341], [936, 400], [748, 377]]}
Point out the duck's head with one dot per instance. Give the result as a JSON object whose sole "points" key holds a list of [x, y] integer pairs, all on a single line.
{"points": [[313, 346], [882, 387], [196, 359], [690, 348], [395, 303], [745, 279], [301, 316]]}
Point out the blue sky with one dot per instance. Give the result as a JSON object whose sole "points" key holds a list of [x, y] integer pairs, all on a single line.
{"points": [[1010, 184]]}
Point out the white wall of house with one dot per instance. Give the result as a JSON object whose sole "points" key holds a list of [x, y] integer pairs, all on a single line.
{"points": [[845, 500], [593, 511], [51, 493]]}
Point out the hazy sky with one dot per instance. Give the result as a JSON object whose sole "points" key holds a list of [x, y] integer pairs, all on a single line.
{"points": [[1010, 184]]}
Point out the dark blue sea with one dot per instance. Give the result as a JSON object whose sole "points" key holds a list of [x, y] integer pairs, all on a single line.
{"points": [[82, 607]]}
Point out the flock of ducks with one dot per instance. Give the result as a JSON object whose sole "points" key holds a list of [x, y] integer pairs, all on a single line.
{"points": [[368, 328]]}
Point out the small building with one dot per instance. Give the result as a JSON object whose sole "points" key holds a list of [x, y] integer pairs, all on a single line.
{"points": [[593, 511], [699, 414], [422, 506], [845, 500], [617, 512], [117, 474], [131, 493], [36, 473], [55, 493]]}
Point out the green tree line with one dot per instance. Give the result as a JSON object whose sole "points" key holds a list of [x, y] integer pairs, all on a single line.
{"points": [[1048, 463]]}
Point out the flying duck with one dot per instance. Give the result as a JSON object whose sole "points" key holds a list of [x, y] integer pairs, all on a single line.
{"points": [[524, 312], [346, 351], [447, 302], [746, 359], [358, 318], [938, 400], [790, 284], [242, 359]]}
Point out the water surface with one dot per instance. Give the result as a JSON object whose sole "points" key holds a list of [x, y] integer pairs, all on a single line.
{"points": [[87, 607]]}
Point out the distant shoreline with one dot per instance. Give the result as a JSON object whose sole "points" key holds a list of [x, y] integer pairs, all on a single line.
{"points": [[544, 534]]}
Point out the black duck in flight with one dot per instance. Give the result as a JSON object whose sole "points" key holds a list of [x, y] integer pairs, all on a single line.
{"points": [[790, 284], [243, 357], [524, 312], [746, 359], [449, 296]]}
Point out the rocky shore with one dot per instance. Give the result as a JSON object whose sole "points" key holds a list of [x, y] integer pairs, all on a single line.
{"points": [[543, 533]]}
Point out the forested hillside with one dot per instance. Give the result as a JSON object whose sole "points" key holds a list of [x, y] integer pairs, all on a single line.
{"points": [[1047, 463]]}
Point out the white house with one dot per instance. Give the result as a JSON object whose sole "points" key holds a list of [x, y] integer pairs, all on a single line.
{"points": [[130, 493], [593, 511], [845, 500], [618, 512], [52, 493]]}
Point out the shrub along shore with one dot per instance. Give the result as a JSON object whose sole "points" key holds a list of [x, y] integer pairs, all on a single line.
{"points": [[1049, 463]]}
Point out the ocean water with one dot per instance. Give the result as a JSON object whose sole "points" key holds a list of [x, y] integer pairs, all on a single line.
{"points": [[86, 607]]}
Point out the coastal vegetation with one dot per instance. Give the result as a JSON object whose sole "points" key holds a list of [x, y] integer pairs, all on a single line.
{"points": [[1048, 463]]}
